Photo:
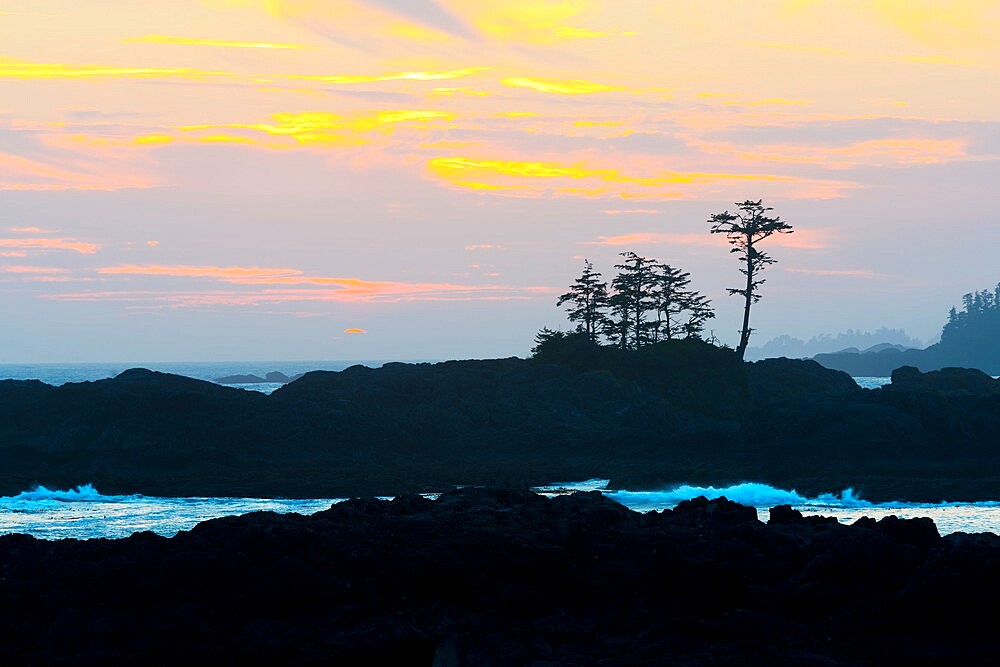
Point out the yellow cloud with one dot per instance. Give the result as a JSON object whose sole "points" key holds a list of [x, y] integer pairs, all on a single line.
{"points": [[17, 69], [962, 24], [459, 169], [524, 178], [188, 41], [393, 76], [327, 128], [355, 330], [560, 86], [533, 22]]}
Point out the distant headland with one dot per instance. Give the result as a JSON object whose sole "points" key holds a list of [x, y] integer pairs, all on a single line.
{"points": [[968, 340]]}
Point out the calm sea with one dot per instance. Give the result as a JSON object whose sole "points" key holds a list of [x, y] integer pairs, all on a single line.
{"points": [[57, 374]]}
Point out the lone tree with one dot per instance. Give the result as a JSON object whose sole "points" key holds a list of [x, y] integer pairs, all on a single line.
{"points": [[744, 229], [588, 296]]}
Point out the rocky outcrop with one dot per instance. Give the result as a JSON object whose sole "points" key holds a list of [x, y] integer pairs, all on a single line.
{"points": [[485, 577], [678, 412]]}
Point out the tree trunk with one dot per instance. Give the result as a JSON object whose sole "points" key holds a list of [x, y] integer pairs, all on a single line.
{"points": [[745, 332]]}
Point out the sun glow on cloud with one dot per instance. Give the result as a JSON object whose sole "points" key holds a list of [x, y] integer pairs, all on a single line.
{"points": [[601, 182], [30, 244], [392, 76], [328, 128], [317, 288], [560, 86], [16, 69]]}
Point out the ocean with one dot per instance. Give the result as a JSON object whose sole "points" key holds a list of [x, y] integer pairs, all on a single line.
{"points": [[84, 513]]}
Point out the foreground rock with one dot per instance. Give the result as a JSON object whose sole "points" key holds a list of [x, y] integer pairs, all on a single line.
{"points": [[672, 413], [506, 577]]}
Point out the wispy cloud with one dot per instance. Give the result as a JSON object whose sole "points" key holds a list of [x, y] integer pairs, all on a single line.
{"points": [[33, 244], [630, 211], [580, 180], [425, 75], [560, 86], [285, 285], [18, 69], [190, 41]]}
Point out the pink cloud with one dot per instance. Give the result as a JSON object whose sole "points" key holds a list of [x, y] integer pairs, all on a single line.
{"points": [[50, 244]]}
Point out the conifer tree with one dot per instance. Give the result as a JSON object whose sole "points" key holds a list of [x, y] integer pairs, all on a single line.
{"points": [[631, 301], [588, 296], [744, 229]]}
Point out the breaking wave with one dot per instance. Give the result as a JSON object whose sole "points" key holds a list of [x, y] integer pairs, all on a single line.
{"points": [[85, 493]]}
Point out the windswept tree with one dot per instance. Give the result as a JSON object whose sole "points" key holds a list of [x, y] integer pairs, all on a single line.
{"points": [[744, 229], [588, 299]]}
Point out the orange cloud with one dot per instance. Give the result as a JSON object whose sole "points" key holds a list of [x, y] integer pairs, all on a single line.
{"points": [[355, 331], [229, 273], [50, 244], [32, 269], [630, 211], [318, 287], [29, 230]]}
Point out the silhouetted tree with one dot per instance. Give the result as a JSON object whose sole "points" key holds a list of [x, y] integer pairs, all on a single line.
{"points": [[977, 325], [673, 300], [631, 301], [744, 229], [699, 310], [588, 296], [671, 297]]}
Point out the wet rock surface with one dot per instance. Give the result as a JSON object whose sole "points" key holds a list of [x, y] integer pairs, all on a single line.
{"points": [[505, 577]]}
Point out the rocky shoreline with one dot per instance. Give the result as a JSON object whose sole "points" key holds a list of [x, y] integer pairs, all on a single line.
{"points": [[669, 414], [506, 577]]}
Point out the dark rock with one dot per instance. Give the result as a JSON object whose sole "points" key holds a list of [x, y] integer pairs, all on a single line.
{"points": [[505, 577], [671, 413]]}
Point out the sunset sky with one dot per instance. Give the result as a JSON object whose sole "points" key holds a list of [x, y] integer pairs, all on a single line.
{"points": [[420, 179]]}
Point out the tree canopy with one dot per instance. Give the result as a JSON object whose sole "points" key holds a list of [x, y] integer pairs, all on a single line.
{"points": [[647, 301]]}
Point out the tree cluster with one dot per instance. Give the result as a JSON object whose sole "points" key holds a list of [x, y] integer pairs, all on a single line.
{"points": [[646, 302], [977, 325], [649, 301]]}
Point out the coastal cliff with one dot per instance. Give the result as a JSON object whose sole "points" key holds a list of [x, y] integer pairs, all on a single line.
{"points": [[675, 412]]}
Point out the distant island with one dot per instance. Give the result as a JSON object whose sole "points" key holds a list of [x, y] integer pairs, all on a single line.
{"points": [[274, 377], [968, 340]]}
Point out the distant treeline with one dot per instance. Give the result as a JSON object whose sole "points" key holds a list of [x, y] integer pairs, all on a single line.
{"points": [[968, 339]]}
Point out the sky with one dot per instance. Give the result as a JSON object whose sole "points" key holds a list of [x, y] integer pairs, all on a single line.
{"points": [[420, 179]]}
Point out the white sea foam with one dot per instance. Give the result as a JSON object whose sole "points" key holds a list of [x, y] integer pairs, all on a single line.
{"points": [[84, 512]]}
